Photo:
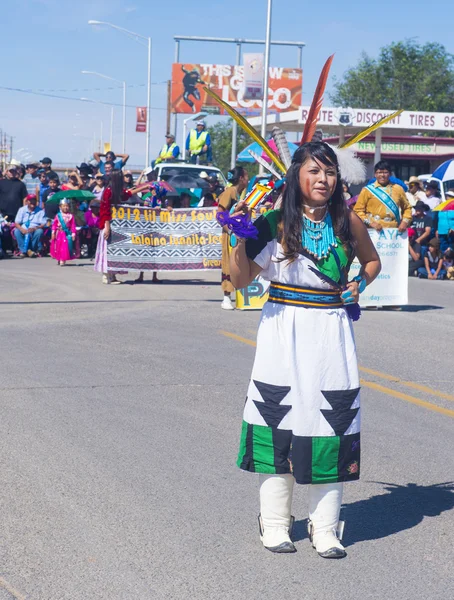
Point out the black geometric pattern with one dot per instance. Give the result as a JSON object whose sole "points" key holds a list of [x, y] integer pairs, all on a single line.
{"points": [[341, 416], [271, 409]]}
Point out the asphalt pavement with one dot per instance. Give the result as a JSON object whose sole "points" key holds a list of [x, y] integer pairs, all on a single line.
{"points": [[120, 417]]}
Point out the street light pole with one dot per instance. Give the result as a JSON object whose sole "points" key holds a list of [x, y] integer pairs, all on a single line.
{"points": [[266, 74], [124, 106], [148, 40]]}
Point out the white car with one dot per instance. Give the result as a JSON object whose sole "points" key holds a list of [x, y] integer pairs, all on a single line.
{"points": [[167, 170]]}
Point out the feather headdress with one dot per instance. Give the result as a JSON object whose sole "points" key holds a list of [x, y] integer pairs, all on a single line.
{"points": [[317, 101], [249, 129], [265, 165], [368, 130], [282, 146]]}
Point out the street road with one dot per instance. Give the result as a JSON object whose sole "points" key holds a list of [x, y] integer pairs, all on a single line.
{"points": [[120, 413]]}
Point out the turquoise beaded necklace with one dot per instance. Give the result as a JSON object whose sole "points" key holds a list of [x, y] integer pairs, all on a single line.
{"points": [[318, 237]]}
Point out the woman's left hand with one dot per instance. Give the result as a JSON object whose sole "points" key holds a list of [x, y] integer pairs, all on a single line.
{"points": [[351, 294]]}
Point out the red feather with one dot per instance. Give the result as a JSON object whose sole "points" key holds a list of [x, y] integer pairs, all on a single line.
{"points": [[312, 117]]}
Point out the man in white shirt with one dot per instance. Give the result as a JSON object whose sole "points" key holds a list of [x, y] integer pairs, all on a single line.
{"points": [[30, 222]]}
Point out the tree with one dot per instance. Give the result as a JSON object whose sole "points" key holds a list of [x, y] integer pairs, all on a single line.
{"points": [[221, 139], [405, 75]]}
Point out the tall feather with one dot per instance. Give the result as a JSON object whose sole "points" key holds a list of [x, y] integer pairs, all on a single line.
{"points": [[248, 129], [367, 130], [282, 145], [264, 164], [317, 101]]}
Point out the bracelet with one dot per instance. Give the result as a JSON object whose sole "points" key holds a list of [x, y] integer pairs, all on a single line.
{"points": [[361, 281], [367, 222]]}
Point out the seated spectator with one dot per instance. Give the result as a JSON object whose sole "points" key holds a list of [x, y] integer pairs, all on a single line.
{"points": [[448, 263], [432, 194], [185, 200], [207, 201], [415, 191], [415, 260], [30, 222], [108, 168], [422, 224], [3, 226], [129, 180], [433, 262], [99, 186]]}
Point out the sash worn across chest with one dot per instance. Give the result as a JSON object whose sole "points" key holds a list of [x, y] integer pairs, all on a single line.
{"points": [[386, 200]]}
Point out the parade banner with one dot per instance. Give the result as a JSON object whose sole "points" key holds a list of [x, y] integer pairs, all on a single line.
{"points": [[148, 239], [254, 296], [141, 115], [391, 286], [253, 76], [188, 95]]}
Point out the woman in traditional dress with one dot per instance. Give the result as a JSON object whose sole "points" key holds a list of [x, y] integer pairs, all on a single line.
{"points": [[238, 178], [63, 234], [302, 415], [113, 195]]}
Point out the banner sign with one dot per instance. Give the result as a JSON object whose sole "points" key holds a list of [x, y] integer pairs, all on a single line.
{"points": [[253, 76], [391, 286], [188, 96], [146, 239], [362, 117], [141, 125]]}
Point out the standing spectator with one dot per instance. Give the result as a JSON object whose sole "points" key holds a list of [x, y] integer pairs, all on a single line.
{"points": [[41, 187], [415, 260], [448, 263], [30, 221], [433, 262], [92, 220], [432, 194], [383, 204], [51, 209], [415, 191], [422, 223], [118, 160], [74, 182], [108, 168], [46, 164], [13, 193], [198, 143], [31, 177], [170, 150]]}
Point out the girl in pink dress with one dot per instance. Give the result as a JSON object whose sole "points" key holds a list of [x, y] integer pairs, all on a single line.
{"points": [[63, 234]]}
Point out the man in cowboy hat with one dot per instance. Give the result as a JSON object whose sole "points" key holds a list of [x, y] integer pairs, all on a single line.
{"points": [[415, 191]]}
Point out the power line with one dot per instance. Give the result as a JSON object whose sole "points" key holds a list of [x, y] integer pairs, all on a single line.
{"points": [[9, 89], [96, 89]]}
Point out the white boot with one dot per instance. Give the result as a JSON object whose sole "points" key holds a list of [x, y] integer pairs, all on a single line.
{"points": [[275, 520], [324, 527]]}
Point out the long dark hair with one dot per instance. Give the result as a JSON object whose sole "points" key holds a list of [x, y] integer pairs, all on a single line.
{"points": [[116, 186], [292, 203], [233, 176]]}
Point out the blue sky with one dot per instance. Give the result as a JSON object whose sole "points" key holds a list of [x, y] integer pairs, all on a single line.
{"points": [[46, 43]]}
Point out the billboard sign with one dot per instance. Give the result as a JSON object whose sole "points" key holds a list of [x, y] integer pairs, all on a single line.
{"points": [[188, 95]]}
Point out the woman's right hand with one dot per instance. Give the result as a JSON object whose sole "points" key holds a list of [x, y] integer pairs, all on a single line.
{"points": [[241, 208], [106, 232]]}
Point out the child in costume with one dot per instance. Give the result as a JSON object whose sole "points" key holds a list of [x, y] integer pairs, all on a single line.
{"points": [[63, 234]]}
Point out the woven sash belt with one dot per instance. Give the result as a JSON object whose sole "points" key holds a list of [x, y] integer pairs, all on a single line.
{"points": [[294, 295]]}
